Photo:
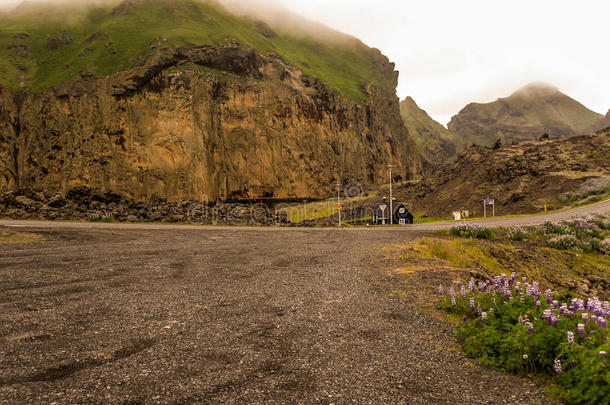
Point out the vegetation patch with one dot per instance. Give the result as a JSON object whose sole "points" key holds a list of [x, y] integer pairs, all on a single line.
{"points": [[10, 237], [590, 234], [509, 324]]}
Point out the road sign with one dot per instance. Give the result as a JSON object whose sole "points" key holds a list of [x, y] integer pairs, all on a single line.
{"points": [[489, 202]]}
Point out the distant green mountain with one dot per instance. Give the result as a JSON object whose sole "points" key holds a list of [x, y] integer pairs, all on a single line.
{"points": [[435, 144], [42, 45], [525, 115]]}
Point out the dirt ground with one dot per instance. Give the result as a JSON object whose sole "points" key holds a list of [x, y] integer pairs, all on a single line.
{"points": [[181, 316]]}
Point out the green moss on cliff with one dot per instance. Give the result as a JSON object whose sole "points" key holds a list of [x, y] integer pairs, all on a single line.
{"points": [[103, 42]]}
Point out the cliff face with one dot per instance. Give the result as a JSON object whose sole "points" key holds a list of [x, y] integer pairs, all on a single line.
{"points": [[525, 115], [202, 122]]}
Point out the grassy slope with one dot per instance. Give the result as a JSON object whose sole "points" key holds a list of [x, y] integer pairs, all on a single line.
{"points": [[346, 64], [531, 258], [431, 138]]}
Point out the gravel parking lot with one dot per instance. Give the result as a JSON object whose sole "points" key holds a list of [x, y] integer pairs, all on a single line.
{"points": [[218, 315]]}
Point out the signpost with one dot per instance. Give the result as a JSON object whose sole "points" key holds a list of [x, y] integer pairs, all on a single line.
{"points": [[493, 205]]}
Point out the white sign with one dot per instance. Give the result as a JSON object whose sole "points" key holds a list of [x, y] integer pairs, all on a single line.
{"points": [[489, 202], [457, 215], [402, 221]]}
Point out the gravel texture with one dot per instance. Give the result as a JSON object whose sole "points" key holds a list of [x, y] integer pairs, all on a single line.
{"points": [[128, 316]]}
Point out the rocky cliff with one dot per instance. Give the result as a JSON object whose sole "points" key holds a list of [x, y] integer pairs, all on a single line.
{"points": [[202, 121], [527, 114]]}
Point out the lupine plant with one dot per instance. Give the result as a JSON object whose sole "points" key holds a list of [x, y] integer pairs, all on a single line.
{"points": [[589, 234], [512, 325]]}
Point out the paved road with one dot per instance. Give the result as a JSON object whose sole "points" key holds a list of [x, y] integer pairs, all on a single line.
{"points": [[600, 207]]}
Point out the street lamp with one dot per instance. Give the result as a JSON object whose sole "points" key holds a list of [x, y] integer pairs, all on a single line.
{"points": [[391, 199], [339, 201]]}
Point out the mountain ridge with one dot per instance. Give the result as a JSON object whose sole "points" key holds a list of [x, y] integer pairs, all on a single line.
{"points": [[526, 114]]}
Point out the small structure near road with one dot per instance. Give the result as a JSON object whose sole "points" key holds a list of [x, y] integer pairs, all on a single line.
{"points": [[401, 215]]}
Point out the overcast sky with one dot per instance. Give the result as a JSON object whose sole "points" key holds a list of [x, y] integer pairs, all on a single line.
{"points": [[450, 52]]}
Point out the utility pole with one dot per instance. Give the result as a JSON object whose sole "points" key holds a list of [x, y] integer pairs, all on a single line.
{"points": [[391, 206], [339, 201]]}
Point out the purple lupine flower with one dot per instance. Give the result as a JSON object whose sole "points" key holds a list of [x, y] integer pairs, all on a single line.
{"points": [[484, 317], [464, 318], [602, 322], [546, 314], [513, 277], [555, 305], [479, 310], [452, 294], [530, 327], [463, 291], [570, 337], [554, 320], [471, 285], [563, 309], [458, 283], [441, 290], [535, 289], [557, 366], [581, 329], [549, 296], [585, 317], [472, 304], [522, 298], [517, 287], [538, 305]]}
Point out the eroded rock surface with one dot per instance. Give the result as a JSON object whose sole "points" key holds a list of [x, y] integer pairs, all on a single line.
{"points": [[202, 121]]}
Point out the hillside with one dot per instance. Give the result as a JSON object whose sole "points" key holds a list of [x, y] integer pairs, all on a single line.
{"points": [[184, 99], [434, 143], [40, 47], [602, 123], [521, 178], [525, 115]]}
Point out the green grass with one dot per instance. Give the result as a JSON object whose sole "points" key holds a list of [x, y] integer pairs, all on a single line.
{"points": [[121, 41]]}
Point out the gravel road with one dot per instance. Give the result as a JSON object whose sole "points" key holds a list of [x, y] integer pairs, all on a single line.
{"points": [[129, 316], [601, 207]]}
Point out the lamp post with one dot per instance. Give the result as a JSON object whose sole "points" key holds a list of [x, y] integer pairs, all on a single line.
{"points": [[391, 206], [339, 201]]}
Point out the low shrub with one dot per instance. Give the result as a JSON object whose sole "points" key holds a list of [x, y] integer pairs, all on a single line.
{"points": [[472, 231], [517, 234], [509, 324], [564, 242]]}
